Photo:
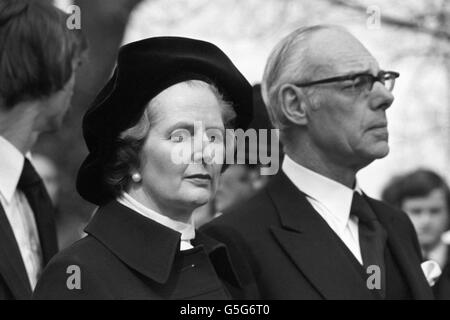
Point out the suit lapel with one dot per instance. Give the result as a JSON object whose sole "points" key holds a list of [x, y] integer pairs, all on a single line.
{"points": [[403, 252], [310, 243], [12, 267], [143, 244]]}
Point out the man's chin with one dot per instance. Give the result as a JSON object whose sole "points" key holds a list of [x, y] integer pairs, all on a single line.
{"points": [[366, 157], [380, 150], [383, 153]]}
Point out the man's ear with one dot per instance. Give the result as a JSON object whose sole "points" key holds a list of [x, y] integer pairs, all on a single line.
{"points": [[292, 103]]}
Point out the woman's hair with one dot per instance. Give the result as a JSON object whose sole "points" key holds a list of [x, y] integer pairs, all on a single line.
{"points": [[37, 50], [126, 157], [419, 183]]}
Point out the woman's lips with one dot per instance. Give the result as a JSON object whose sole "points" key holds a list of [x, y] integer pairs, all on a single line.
{"points": [[199, 179]]}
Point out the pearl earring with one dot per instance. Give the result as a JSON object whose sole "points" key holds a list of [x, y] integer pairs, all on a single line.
{"points": [[136, 177]]}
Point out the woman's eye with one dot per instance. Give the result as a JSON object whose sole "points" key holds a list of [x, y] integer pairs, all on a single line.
{"points": [[179, 136], [216, 137]]}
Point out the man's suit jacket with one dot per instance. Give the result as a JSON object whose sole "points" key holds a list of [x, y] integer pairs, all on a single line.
{"points": [[14, 282], [294, 255]]}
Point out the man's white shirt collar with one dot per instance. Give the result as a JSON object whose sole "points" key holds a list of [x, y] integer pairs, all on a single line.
{"points": [[17, 209], [187, 230], [336, 197], [11, 164]]}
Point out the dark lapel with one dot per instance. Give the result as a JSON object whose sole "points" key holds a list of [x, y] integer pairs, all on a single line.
{"points": [[310, 243], [142, 244], [403, 250], [12, 267]]}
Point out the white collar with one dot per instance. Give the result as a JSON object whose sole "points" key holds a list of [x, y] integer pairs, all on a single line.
{"points": [[336, 197], [187, 230], [11, 164]]}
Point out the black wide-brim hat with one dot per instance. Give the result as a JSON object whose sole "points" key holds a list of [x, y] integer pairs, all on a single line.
{"points": [[144, 69]]}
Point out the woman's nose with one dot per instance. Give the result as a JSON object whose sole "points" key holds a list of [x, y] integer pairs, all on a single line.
{"points": [[200, 149]]}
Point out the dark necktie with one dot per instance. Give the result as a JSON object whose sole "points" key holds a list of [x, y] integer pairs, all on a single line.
{"points": [[372, 239], [31, 184]]}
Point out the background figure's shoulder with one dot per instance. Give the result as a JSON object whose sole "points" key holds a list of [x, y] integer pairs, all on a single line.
{"points": [[244, 214], [72, 274], [245, 227]]}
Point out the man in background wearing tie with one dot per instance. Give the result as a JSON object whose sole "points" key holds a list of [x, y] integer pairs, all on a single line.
{"points": [[38, 58], [425, 197], [312, 233]]}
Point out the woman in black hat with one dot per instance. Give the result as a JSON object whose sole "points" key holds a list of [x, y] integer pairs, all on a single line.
{"points": [[156, 136]]}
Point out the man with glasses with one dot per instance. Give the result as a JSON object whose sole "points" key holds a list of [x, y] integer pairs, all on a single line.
{"points": [[312, 233]]}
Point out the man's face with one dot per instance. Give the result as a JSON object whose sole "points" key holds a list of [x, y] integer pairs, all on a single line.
{"points": [[429, 215], [345, 126]]}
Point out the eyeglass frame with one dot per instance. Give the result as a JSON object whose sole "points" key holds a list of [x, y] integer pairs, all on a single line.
{"points": [[378, 78]]}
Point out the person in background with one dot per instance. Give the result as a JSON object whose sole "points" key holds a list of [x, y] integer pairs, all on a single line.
{"points": [[238, 183], [425, 197], [38, 59]]}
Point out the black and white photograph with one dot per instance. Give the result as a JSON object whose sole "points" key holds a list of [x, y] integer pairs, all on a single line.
{"points": [[231, 153]]}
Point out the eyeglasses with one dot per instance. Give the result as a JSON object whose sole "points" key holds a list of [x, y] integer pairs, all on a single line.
{"points": [[361, 82]]}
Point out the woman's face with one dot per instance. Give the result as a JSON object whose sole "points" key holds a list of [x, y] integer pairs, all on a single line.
{"points": [[174, 185]]}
